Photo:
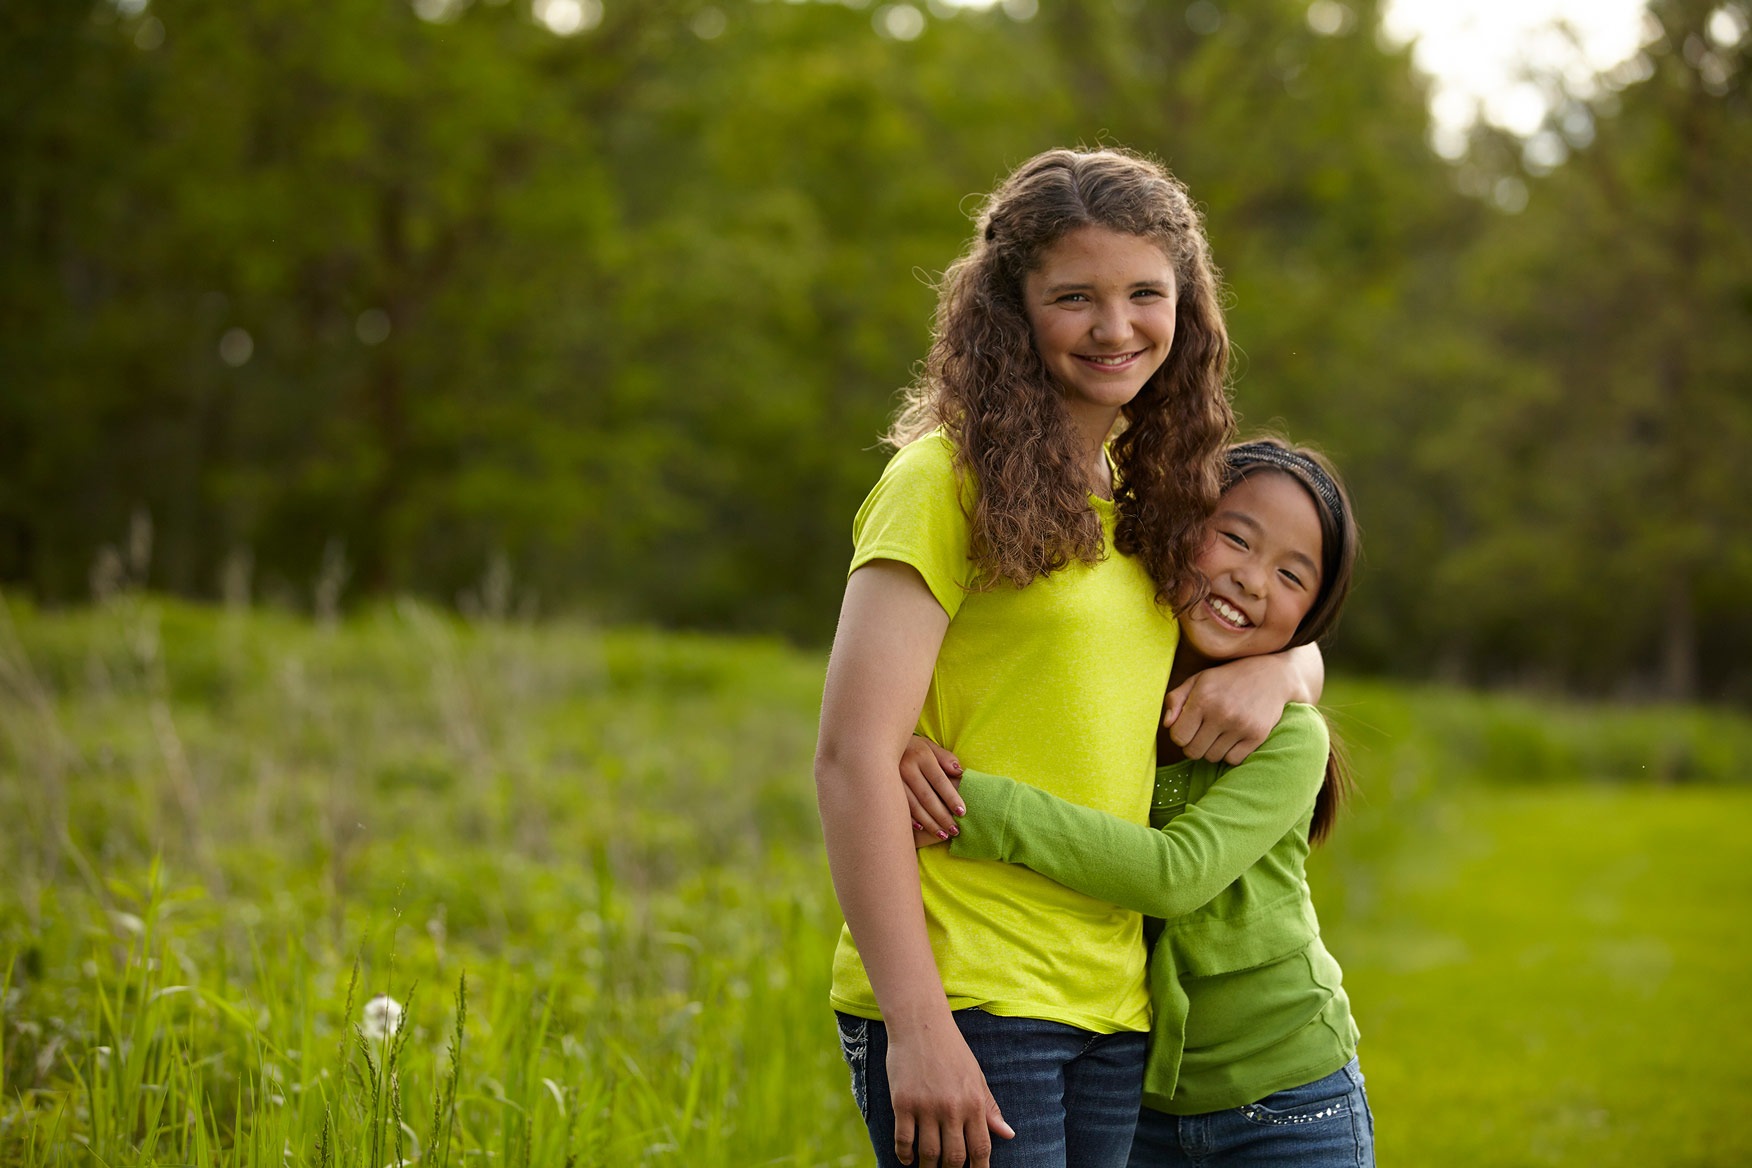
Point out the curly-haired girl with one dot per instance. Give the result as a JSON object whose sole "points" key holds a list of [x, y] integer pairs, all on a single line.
{"points": [[1009, 597]]}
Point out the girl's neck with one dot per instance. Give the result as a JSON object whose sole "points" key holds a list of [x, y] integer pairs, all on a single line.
{"points": [[1092, 424], [1187, 661]]}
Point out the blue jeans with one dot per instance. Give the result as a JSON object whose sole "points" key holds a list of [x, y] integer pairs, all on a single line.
{"points": [[1072, 1095], [1323, 1124]]}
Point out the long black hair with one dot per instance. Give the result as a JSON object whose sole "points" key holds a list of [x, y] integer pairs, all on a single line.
{"points": [[1339, 538]]}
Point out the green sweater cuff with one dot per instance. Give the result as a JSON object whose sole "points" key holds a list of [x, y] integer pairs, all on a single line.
{"points": [[983, 828]]}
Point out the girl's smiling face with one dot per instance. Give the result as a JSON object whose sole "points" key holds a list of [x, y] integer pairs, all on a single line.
{"points": [[1262, 556], [1101, 306]]}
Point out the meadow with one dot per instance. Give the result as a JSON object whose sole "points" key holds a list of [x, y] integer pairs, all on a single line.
{"points": [[585, 864]]}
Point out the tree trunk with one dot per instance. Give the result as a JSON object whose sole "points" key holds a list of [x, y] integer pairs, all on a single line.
{"points": [[1679, 641]]}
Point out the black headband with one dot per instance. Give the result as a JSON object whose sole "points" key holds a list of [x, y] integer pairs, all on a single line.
{"points": [[1268, 454]]}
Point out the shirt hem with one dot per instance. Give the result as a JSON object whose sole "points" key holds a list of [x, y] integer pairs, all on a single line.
{"points": [[1094, 1023], [1312, 1073]]}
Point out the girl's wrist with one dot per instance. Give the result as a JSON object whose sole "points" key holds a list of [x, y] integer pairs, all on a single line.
{"points": [[1306, 668], [917, 1015]]}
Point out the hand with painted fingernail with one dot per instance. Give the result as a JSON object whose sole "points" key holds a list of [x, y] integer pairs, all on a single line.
{"points": [[932, 777]]}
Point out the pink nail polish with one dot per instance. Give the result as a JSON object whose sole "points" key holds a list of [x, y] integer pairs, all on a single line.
{"points": [[961, 810], [918, 827], [942, 835], [955, 831]]}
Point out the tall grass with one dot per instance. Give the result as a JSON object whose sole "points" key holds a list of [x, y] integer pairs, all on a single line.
{"points": [[226, 831], [585, 865]]}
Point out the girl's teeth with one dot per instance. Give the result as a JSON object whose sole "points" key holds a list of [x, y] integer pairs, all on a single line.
{"points": [[1121, 360], [1229, 612]]}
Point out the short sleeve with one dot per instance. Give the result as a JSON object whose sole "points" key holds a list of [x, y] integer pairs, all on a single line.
{"points": [[915, 515]]}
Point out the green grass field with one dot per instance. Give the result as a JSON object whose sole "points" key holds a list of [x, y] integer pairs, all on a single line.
{"points": [[222, 832]]}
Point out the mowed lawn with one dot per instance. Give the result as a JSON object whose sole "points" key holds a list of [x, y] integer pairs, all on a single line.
{"points": [[1551, 976], [611, 834]]}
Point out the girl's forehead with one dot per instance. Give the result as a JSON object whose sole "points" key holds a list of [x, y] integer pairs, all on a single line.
{"points": [[1268, 485], [1097, 248], [1278, 504]]}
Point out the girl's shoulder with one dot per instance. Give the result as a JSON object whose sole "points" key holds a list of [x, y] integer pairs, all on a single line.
{"points": [[925, 469], [1298, 743], [919, 514], [1294, 751], [929, 454], [1301, 723], [1301, 735], [1296, 748]]}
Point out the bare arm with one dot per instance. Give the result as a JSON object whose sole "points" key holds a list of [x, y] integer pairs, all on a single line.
{"points": [[1223, 713], [889, 632]]}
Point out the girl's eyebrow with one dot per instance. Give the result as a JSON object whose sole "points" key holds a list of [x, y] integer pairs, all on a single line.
{"points": [[1313, 568], [1087, 287], [1240, 517]]}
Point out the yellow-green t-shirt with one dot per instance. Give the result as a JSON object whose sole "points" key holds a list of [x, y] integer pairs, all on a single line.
{"points": [[1058, 685]]}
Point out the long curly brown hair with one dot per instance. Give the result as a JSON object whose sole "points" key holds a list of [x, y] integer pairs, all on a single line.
{"points": [[987, 387]]}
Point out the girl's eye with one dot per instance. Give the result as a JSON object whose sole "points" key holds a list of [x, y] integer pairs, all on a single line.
{"points": [[1145, 292], [1234, 539], [1292, 577], [1072, 296]]}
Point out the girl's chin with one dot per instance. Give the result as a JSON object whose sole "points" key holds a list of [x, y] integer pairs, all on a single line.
{"points": [[1205, 623], [1216, 643], [1215, 648], [1108, 396]]}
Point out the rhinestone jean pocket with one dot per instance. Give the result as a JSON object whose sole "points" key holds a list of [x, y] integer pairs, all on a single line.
{"points": [[854, 1039], [1317, 1111]]}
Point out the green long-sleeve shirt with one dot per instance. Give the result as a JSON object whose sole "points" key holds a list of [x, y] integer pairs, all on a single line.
{"points": [[1246, 999]]}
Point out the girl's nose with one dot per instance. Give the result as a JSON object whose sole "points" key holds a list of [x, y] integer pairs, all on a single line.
{"points": [[1250, 579], [1111, 326]]}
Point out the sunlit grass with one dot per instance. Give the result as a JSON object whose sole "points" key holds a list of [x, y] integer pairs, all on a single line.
{"points": [[1550, 975], [226, 831], [611, 836]]}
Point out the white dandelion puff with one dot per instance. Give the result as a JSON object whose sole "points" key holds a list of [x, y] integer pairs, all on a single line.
{"points": [[127, 922], [383, 1016]]}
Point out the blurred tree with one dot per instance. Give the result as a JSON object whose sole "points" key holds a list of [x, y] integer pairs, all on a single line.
{"points": [[626, 309], [1606, 489], [257, 231]]}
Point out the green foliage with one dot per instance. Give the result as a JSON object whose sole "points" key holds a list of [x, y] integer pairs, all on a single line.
{"points": [[624, 312], [1600, 490], [1445, 735], [227, 831]]}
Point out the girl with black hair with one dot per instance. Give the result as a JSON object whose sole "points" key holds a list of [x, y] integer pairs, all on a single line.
{"points": [[1252, 1057]]}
